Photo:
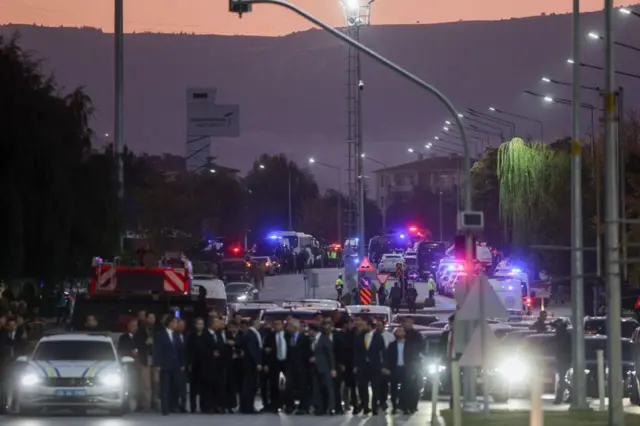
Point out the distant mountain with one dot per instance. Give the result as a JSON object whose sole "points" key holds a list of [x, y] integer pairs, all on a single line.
{"points": [[292, 89]]}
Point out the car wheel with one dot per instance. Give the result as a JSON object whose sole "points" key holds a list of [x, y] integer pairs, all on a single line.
{"points": [[500, 398]]}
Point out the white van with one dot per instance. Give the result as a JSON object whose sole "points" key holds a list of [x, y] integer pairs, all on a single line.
{"points": [[213, 291]]}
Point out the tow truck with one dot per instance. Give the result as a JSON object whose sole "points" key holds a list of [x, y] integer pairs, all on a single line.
{"points": [[117, 293]]}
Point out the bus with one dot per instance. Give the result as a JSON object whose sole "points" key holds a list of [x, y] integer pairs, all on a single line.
{"points": [[430, 253]]}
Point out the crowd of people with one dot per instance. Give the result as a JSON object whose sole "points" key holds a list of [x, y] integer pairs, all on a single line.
{"points": [[320, 370]]}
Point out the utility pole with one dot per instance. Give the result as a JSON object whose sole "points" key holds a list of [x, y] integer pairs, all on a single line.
{"points": [[579, 395], [118, 134], [612, 228], [360, 165]]}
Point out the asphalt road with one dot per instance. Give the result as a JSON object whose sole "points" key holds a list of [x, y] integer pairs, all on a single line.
{"points": [[420, 418], [291, 287]]}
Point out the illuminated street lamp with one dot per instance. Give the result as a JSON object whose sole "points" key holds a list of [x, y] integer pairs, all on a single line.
{"points": [[564, 83], [627, 11], [595, 36], [357, 12], [495, 120], [596, 67], [520, 116]]}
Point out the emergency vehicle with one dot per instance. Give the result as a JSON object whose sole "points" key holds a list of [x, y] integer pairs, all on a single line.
{"points": [[511, 292], [117, 293], [71, 371]]}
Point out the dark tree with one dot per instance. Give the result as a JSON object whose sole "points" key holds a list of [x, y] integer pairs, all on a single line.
{"points": [[60, 198]]}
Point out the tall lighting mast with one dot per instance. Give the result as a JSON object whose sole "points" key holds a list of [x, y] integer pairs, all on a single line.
{"points": [[357, 14]]}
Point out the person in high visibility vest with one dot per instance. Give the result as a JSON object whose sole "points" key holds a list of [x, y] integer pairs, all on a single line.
{"points": [[339, 286], [431, 286]]}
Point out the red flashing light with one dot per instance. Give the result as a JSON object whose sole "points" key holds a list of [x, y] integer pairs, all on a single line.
{"points": [[637, 305], [236, 249], [527, 300], [413, 229]]}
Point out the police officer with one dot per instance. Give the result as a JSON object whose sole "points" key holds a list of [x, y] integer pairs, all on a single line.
{"points": [[431, 285], [339, 286]]}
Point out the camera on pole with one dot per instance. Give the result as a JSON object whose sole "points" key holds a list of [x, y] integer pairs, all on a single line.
{"points": [[239, 7]]}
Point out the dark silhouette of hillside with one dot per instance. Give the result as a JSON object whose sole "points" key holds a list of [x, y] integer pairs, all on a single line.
{"points": [[292, 89]]}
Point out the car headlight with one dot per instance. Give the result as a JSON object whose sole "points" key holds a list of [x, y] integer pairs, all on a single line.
{"points": [[434, 368], [514, 370], [243, 297], [29, 379], [111, 379]]}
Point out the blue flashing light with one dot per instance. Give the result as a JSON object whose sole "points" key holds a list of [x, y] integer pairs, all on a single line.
{"points": [[401, 235], [273, 237], [356, 260], [450, 268], [516, 270]]}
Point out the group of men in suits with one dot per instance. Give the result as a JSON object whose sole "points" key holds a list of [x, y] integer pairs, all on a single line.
{"points": [[319, 370]]}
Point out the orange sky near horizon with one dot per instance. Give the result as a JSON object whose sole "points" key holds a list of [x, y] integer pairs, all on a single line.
{"points": [[212, 16]]}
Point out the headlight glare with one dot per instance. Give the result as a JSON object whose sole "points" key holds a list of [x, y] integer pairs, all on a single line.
{"points": [[29, 379], [243, 297], [111, 379], [434, 368], [514, 370]]}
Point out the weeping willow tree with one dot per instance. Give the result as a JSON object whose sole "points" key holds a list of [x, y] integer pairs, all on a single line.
{"points": [[534, 182]]}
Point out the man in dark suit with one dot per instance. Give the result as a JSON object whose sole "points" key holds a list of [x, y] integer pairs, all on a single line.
{"points": [[368, 362], [347, 344], [399, 369], [252, 349], [276, 359], [128, 346], [168, 359], [200, 366], [219, 363], [297, 369], [323, 369], [266, 334], [343, 356], [415, 346], [235, 358]]}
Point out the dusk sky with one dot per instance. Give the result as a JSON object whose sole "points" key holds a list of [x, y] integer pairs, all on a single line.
{"points": [[212, 16]]}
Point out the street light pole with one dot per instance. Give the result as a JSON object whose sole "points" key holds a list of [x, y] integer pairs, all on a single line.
{"points": [[440, 214], [290, 202], [579, 395], [612, 236], [118, 134]]}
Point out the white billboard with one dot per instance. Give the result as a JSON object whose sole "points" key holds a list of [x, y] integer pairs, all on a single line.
{"points": [[208, 119]]}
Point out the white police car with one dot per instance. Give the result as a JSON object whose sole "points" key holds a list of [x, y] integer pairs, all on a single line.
{"points": [[72, 371]]}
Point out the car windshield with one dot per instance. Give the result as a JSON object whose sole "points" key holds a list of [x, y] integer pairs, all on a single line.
{"points": [[260, 259], [237, 288], [410, 261], [592, 345], [74, 351], [391, 257], [599, 326]]}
